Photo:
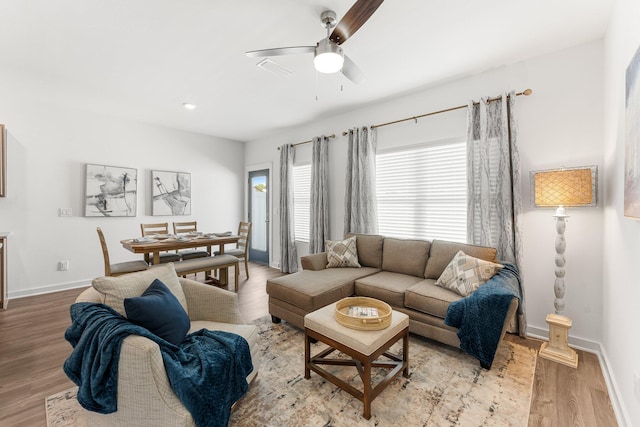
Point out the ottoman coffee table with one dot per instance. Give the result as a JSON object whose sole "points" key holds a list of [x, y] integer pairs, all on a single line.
{"points": [[364, 348]]}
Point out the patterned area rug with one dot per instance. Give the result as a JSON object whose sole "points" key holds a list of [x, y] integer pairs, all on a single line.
{"points": [[446, 387]]}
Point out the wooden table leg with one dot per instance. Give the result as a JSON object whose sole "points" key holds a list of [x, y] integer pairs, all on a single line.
{"points": [[224, 272], [156, 258], [307, 356], [405, 355], [366, 400]]}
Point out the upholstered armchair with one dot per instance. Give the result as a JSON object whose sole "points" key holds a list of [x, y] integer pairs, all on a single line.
{"points": [[145, 396]]}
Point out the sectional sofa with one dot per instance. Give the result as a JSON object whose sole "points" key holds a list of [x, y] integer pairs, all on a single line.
{"points": [[403, 274]]}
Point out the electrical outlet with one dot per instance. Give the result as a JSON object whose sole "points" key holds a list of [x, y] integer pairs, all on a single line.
{"points": [[63, 266]]}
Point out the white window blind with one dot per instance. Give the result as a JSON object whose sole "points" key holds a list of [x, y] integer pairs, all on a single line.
{"points": [[301, 201], [422, 191]]}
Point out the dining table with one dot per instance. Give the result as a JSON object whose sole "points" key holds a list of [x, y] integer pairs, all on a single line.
{"points": [[151, 246]]}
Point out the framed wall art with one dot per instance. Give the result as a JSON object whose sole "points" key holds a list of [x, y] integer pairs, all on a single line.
{"points": [[111, 191], [3, 161], [632, 139], [171, 193]]}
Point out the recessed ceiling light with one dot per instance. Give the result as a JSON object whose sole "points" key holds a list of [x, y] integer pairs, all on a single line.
{"points": [[189, 106]]}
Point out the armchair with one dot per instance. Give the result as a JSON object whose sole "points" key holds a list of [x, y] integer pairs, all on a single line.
{"points": [[145, 396]]}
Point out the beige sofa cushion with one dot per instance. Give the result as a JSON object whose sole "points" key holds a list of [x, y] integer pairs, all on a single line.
{"points": [[386, 286], [428, 298], [405, 256], [310, 290], [442, 252], [116, 289], [369, 249]]}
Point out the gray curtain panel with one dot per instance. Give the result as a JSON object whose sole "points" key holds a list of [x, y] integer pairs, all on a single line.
{"points": [[288, 253], [494, 203], [361, 211], [319, 215]]}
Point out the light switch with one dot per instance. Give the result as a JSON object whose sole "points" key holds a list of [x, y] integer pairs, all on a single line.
{"points": [[65, 212]]}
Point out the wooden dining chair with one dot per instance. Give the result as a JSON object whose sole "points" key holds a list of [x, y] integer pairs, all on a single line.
{"points": [[119, 268], [189, 227], [241, 251], [148, 230]]}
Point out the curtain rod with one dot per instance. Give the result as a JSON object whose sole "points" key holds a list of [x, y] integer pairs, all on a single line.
{"points": [[525, 92], [333, 135]]}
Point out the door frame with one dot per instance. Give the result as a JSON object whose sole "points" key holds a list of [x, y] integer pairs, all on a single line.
{"points": [[247, 170]]}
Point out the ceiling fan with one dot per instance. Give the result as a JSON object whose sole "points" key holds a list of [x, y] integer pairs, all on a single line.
{"points": [[328, 56]]}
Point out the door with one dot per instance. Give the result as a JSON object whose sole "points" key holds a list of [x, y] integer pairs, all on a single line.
{"points": [[258, 206]]}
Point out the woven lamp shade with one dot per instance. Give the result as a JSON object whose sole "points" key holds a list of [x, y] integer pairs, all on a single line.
{"points": [[564, 187]]}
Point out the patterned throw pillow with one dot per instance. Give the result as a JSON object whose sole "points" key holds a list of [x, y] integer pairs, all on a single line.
{"points": [[342, 253], [465, 274]]}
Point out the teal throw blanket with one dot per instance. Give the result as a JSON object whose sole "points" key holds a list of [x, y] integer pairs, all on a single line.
{"points": [[480, 316], [207, 371]]}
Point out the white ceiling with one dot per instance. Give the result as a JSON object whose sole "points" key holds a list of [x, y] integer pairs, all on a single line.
{"points": [[141, 59]]}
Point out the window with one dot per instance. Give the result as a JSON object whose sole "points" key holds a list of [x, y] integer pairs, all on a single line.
{"points": [[301, 201], [422, 191]]}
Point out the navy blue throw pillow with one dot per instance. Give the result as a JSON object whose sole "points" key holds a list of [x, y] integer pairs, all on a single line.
{"points": [[159, 311]]}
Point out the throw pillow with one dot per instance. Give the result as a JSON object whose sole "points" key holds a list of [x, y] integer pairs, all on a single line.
{"points": [[465, 274], [159, 311], [342, 253], [116, 289]]}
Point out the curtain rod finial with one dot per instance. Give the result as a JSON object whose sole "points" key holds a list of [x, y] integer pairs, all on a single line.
{"points": [[527, 92]]}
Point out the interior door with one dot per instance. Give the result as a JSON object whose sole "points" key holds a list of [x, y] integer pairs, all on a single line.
{"points": [[258, 205]]}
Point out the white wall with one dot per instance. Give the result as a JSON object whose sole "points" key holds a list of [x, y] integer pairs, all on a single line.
{"points": [[621, 297], [48, 147], [560, 125]]}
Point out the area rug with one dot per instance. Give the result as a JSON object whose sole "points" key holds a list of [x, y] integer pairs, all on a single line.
{"points": [[446, 387]]}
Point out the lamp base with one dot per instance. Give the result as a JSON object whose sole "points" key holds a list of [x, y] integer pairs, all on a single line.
{"points": [[557, 349]]}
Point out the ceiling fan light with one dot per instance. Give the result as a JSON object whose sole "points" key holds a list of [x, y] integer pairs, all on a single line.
{"points": [[329, 57]]}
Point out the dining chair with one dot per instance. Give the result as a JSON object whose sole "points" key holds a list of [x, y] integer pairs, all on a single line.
{"points": [[119, 268], [241, 250], [189, 227], [159, 228]]}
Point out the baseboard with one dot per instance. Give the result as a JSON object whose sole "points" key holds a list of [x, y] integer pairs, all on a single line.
{"points": [[614, 392], [596, 348], [48, 289]]}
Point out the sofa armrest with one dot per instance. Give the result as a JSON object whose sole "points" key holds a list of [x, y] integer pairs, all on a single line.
{"points": [[205, 302], [90, 295], [314, 261], [143, 388]]}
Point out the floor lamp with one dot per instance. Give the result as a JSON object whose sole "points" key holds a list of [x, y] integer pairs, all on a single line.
{"points": [[560, 188]]}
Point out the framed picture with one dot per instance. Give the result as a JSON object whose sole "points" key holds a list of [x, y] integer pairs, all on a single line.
{"points": [[111, 191], [3, 161], [171, 193], [632, 139]]}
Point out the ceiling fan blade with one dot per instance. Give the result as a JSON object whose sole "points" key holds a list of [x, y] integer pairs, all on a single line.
{"points": [[355, 18], [351, 71], [280, 51]]}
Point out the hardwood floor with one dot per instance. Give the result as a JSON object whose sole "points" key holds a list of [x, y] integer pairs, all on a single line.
{"points": [[33, 349]]}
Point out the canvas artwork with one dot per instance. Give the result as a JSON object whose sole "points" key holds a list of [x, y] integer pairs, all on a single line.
{"points": [[632, 140], [171, 193], [111, 191]]}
